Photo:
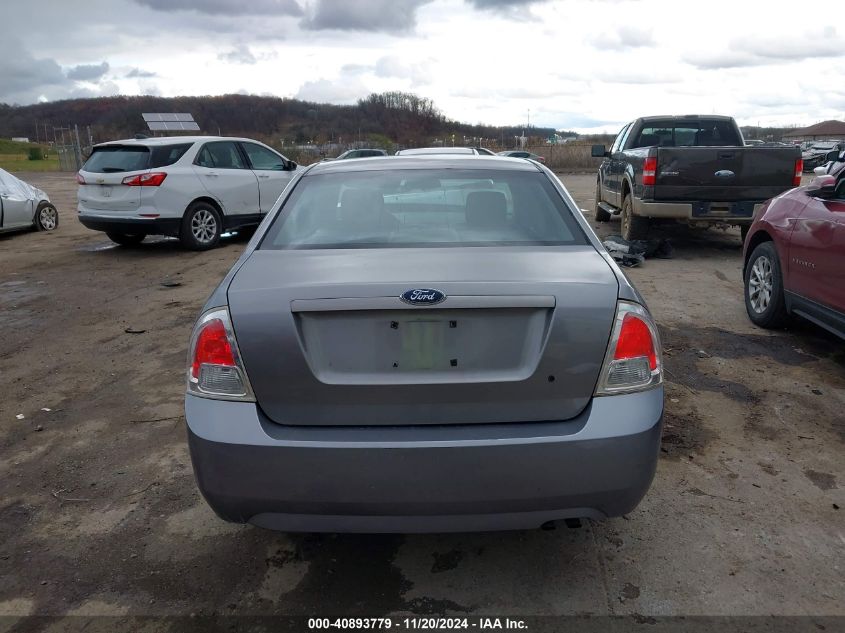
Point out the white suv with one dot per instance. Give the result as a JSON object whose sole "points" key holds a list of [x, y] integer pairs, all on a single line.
{"points": [[190, 187]]}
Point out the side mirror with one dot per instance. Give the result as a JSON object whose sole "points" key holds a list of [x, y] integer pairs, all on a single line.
{"points": [[821, 170], [822, 187], [599, 151], [291, 165]]}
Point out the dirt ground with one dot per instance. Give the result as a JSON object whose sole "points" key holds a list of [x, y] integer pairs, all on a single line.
{"points": [[99, 513]]}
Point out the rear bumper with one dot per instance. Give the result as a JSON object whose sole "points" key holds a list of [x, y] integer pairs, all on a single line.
{"points": [[150, 226], [699, 211], [424, 479]]}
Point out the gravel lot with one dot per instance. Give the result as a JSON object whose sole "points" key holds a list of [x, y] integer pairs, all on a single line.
{"points": [[99, 513]]}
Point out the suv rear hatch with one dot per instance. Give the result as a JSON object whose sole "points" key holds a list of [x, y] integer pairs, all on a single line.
{"points": [[103, 174], [326, 339]]}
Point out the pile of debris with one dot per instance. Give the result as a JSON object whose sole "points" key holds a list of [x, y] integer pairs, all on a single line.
{"points": [[635, 252]]}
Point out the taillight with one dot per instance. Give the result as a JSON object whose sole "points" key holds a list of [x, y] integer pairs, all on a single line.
{"points": [[153, 179], [79, 179], [799, 168], [650, 171], [633, 360], [215, 369]]}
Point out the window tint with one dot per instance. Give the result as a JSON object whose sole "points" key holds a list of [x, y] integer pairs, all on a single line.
{"points": [[625, 136], [419, 208], [263, 158], [168, 154], [617, 144], [117, 158], [222, 155], [703, 132]]}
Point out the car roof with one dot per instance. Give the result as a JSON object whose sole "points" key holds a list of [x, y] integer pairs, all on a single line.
{"points": [[173, 140], [686, 117], [435, 150], [430, 161]]}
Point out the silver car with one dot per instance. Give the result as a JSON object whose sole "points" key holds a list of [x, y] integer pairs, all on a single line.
{"points": [[424, 344], [23, 206]]}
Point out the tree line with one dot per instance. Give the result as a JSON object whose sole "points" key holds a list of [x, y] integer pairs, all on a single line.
{"points": [[402, 118]]}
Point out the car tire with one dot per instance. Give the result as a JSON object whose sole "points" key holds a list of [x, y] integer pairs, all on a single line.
{"points": [[764, 298], [601, 214], [126, 239], [46, 217], [634, 227], [202, 225]]}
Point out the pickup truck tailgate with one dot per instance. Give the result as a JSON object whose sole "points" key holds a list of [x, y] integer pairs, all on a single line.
{"points": [[724, 173]]}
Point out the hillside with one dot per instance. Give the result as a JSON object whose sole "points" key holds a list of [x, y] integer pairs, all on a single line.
{"points": [[401, 118]]}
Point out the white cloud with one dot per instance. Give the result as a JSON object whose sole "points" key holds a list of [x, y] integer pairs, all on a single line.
{"points": [[579, 63]]}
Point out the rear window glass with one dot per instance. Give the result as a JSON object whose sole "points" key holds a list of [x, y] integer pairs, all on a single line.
{"points": [[712, 133], [118, 158], [419, 208], [165, 155]]}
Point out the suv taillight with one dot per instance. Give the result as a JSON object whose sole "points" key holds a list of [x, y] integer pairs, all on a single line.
{"points": [[633, 360], [650, 171], [153, 179], [799, 168], [215, 369]]}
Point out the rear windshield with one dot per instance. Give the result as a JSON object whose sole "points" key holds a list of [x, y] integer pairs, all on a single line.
{"points": [[119, 158], [419, 208], [701, 132]]}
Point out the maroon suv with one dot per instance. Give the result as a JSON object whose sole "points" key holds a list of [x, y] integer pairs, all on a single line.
{"points": [[795, 257]]}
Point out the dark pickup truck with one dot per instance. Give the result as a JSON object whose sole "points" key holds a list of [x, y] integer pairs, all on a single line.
{"points": [[694, 169]]}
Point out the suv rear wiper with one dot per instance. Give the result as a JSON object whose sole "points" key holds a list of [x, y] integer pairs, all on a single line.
{"points": [[112, 170]]}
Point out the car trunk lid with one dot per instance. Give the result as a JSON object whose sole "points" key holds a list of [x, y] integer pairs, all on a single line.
{"points": [[327, 340]]}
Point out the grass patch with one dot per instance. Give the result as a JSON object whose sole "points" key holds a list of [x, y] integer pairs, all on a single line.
{"points": [[14, 156], [20, 162]]}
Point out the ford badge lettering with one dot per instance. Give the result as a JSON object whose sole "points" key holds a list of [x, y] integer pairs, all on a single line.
{"points": [[422, 296]]}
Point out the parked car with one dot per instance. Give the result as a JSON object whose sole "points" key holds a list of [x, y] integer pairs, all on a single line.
{"points": [[361, 153], [422, 151], [831, 166], [821, 152], [795, 257], [392, 410], [194, 188], [23, 206], [522, 154], [692, 169]]}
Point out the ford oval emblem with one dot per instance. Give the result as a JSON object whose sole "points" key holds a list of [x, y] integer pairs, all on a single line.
{"points": [[724, 173], [422, 296]]}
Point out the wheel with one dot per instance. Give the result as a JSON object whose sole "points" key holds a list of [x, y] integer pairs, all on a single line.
{"points": [[601, 214], [743, 231], [201, 227], [126, 239], [634, 227], [764, 300], [46, 217]]}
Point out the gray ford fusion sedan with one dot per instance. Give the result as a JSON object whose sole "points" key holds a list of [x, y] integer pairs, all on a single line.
{"points": [[424, 344]]}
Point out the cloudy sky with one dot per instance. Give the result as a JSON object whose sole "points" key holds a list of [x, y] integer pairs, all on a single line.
{"points": [[588, 65]]}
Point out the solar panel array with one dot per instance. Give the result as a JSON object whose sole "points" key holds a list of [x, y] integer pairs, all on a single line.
{"points": [[170, 122]]}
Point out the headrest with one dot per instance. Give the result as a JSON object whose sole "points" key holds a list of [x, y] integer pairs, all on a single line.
{"points": [[647, 140], [486, 209], [361, 205]]}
